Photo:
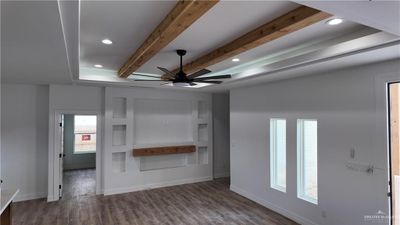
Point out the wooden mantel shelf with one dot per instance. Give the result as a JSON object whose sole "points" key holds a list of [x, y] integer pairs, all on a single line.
{"points": [[164, 150]]}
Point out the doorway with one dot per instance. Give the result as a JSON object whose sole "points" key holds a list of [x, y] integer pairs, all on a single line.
{"points": [[78, 150], [394, 143]]}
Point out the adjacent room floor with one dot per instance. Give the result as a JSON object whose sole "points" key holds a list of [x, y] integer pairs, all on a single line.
{"points": [[79, 183], [201, 203]]}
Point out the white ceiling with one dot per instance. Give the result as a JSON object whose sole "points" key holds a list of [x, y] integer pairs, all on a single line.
{"points": [[33, 44], [380, 14], [224, 22], [126, 23], [374, 55]]}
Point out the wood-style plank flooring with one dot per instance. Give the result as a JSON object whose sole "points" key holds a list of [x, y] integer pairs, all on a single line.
{"points": [[77, 183], [200, 203]]}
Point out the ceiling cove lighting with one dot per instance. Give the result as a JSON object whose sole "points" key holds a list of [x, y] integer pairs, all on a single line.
{"points": [[334, 22], [107, 41], [98, 66], [235, 60]]}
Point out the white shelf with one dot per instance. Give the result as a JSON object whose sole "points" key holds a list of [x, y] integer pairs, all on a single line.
{"points": [[119, 121], [155, 145], [202, 144], [202, 121]]}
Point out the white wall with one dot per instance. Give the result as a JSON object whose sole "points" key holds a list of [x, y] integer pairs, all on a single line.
{"points": [[350, 108], [24, 139], [29, 128], [154, 118], [71, 99], [221, 141]]}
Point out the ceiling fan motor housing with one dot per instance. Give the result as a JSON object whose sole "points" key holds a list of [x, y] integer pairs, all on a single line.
{"points": [[181, 52]]}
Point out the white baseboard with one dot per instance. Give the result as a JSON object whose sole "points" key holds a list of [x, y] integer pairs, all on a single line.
{"points": [[155, 185], [293, 216], [31, 196], [221, 175]]}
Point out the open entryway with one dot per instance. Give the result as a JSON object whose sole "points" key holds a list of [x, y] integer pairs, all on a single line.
{"points": [[394, 129], [78, 155]]}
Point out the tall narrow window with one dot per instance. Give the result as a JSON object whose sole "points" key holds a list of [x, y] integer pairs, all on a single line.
{"points": [[307, 160], [85, 134], [278, 154]]}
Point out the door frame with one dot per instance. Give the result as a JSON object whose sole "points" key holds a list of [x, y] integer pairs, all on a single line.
{"points": [[389, 137], [54, 162], [381, 137]]}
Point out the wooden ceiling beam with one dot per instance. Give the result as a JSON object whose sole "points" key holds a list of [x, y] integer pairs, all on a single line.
{"points": [[290, 22], [185, 13]]}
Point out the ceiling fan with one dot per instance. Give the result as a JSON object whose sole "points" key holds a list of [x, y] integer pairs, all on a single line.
{"points": [[181, 79]]}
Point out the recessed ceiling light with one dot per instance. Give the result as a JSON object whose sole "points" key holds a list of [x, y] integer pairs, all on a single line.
{"points": [[235, 60], [107, 41], [335, 21], [98, 66]]}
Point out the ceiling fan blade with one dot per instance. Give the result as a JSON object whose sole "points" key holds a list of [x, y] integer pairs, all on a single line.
{"points": [[143, 75], [199, 73], [214, 77], [169, 73], [209, 81], [147, 80]]}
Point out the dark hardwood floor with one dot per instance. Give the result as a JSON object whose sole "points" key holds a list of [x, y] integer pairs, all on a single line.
{"points": [[201, 203], [79, 183]]}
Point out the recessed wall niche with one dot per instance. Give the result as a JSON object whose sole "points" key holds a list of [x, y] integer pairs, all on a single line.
{"points": [[203, 133], [202, 110], [119, 162], [119, 107], [203, 155], [119, 135]]}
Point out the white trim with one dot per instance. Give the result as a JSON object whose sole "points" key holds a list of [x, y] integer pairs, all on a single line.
{"points": [[53, 161], [295, 217], [273, 122], [155, 185], [65, 40], [381, 103], [31, 196], [10, 196], [300, 162]]}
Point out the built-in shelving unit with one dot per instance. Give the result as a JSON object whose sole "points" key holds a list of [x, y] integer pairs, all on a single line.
{"points": [[202, 131], [155, 138], [119, 128]]}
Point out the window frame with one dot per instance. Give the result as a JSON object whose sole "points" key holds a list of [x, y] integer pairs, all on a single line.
{"points": [[74, 152], [301, 164], [273, 153]]}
